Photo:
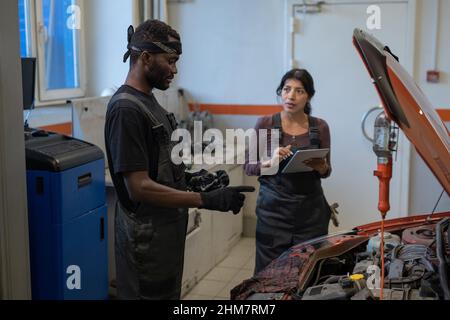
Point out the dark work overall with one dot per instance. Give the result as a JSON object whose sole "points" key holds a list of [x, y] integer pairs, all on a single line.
{"points": [[149, 243], [291, 208]]}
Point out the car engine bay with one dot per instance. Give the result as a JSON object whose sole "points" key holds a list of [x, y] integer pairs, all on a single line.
{"points": [[416, 264]]}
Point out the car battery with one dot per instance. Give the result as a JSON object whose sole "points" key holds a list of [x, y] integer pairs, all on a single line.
{"points": [[67, 218]]}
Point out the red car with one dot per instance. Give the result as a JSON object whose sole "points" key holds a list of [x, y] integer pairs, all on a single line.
{"points": [[347, 265]]}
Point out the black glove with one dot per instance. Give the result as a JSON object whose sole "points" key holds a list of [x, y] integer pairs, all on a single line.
{"points": [[225, 199]]}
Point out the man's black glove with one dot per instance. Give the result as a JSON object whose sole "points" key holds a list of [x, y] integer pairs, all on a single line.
{"points": [[225, 199]]}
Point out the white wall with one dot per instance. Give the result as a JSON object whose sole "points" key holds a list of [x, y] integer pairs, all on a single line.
{"points": [[106, 24], [424, 187], [232, 50], [438, 94]]}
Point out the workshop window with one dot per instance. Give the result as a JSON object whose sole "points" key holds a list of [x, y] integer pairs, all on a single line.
{"points": [[24, 28], [51, 30]]}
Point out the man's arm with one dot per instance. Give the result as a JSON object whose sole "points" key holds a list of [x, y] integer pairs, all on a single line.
{"points": [[142, 188]]}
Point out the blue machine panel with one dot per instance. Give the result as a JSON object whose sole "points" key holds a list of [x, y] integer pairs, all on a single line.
{"points": [[84, 258], [68, 231], [78, 191]]}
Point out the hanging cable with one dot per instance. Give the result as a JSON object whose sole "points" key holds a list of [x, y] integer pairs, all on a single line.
{"points": [[435, 206]]}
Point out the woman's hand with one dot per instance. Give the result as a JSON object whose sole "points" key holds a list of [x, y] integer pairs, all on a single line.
{"points": [[318, 164], [279, 154]]}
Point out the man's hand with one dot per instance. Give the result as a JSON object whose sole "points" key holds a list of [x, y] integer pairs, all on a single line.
{"points": [[225, 199]]}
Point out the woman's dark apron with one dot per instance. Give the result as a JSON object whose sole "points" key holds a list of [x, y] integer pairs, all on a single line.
{"points": [[149, 242], [291, 208]]}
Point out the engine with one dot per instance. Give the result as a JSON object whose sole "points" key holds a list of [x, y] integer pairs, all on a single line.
{"points": [[411, 270]]}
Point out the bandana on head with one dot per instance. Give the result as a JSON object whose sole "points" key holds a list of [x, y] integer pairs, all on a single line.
{"points": [[152, 47]]}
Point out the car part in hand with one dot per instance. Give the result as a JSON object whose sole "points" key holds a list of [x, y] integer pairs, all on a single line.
{"points": [[204, 181]]}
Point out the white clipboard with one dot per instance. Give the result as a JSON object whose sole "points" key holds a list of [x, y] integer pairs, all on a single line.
{"points": [[296, 164]]}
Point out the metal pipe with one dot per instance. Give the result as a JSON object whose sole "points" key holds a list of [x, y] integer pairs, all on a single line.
{"points": [[435, 34]]}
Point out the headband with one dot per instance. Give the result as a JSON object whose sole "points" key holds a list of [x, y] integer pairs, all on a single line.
{"points": [[173, 47]]}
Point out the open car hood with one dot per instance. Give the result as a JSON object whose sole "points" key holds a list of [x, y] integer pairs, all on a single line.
{"points": [[406, 105]]}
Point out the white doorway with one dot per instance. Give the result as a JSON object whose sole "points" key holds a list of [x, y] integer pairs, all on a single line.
{"points": [[319, 39]]}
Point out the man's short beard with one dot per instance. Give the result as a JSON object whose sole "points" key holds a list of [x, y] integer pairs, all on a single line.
{"points": [[154, 77]]}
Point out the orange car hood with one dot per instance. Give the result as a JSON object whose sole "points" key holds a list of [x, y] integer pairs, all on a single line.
{"points": [[406, 104]]}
